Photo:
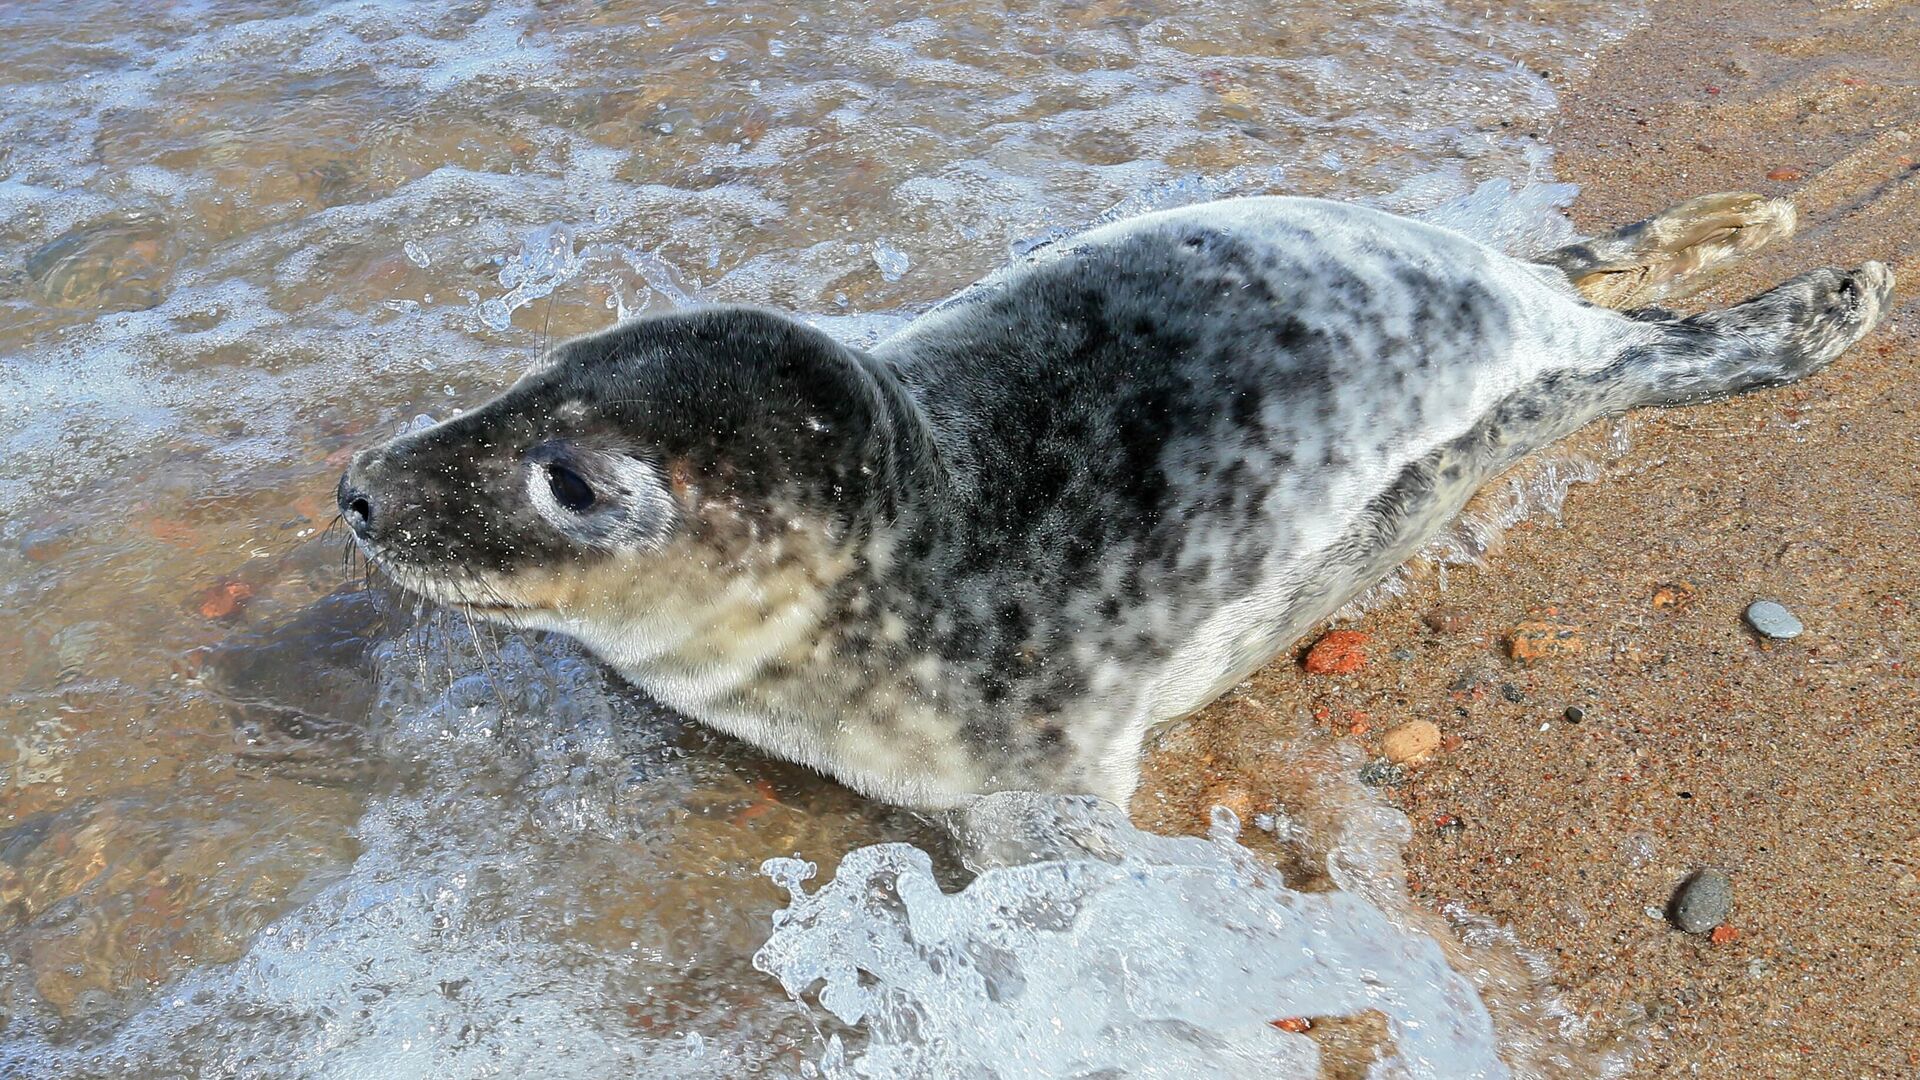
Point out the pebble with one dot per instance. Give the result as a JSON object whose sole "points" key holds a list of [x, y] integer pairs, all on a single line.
{"points": [[1786, 175], [1382, 773], [1701, 902], [1773, 620], [1338, 653], [1445, 620], [1674, 595], [1411, 742], [224, 601], [1574, 714], [1536, 639]]}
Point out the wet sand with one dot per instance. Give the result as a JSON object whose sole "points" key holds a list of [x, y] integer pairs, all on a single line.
{"points": [[1789, 765]]}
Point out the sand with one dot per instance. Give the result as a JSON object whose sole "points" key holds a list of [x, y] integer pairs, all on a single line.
{"points": [[1789, 765]]}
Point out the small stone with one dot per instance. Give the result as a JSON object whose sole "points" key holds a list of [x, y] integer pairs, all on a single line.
{"points": [[1382, 773], [1445, 620], [1411, 742], [1537, 639], [1773, 620], [1338, 653], [225, 601], [1296, 1024], [43, 545], [1574, 714], [1701, 902], [1674, 595], [1512, 693], [1786, 175], [1723, 934]]}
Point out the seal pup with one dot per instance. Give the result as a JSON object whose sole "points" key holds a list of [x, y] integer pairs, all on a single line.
{"points": [[1071, 505]]}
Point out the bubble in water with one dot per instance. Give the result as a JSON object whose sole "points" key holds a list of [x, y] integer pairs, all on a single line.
{"points": [[415, 254], [496, 314], [891, 260]]}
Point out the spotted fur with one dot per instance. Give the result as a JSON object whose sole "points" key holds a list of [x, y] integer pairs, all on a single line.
{"points": [[1074, 503]]}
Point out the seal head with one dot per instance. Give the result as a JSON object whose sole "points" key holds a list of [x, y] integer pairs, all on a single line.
{"points": [[706, 431]]}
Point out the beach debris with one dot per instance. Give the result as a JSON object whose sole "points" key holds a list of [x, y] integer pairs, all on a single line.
{"points": [[1772, 620], [1446, 620], [1339, 652], [1702, 901], [1674, 595], [1537, 639], [1411, 743]]}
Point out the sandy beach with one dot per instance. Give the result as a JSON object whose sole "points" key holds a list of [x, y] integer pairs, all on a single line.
{"points": [[1573, 794]]}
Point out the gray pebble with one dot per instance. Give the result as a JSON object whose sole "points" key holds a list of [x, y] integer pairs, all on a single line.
{"points": [[1773, 620], [1701, 902], [1382, 773]]}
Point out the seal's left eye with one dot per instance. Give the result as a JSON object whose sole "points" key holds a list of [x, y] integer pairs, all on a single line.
{"points": [[569, 488]]}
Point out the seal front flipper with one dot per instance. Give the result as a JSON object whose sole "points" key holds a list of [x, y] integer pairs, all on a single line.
{"points": [[1674, 252]]}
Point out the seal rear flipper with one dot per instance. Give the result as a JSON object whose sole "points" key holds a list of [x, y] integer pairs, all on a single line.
{"points": [[1780, 336], [1673, 252]]}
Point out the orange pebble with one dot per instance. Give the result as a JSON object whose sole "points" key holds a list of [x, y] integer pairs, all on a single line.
{"points": [[1338, 653]]}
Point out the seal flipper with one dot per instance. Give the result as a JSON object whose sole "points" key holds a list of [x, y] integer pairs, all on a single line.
{"points": [[1777, 337], [1671, 253]]}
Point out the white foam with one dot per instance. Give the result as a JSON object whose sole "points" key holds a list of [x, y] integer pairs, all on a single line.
{"points": [[1136, 955]]}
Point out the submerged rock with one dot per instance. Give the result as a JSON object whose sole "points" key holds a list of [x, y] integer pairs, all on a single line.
{"points": [[117, 263]]}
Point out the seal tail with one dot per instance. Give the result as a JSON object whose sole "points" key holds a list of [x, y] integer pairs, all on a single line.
{"points": [[1777, 337]]}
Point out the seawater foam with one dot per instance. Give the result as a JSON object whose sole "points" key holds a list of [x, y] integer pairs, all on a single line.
{"points": [[1135, 955]]}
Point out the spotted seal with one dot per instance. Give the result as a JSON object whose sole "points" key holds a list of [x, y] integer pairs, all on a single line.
{"points": [[1078, 502]]}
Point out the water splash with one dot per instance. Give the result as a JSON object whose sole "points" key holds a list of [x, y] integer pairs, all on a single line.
{"points": [[1135, 955]]}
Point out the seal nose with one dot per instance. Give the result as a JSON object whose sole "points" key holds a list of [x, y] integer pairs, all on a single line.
{"points": [[356, 507]]}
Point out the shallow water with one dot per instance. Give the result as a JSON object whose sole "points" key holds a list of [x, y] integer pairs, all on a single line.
{"points": [[253, 824]]}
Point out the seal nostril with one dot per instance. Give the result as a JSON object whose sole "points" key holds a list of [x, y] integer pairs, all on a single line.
{"points": [[360, 515]]}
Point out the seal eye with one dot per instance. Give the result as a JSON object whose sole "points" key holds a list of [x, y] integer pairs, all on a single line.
{"points": [[569, 489]]}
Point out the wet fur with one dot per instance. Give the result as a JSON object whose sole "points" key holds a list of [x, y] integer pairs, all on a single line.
{"points": [[1076, 502]]}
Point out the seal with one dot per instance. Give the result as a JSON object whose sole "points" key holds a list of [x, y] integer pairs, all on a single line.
{"points": [[1071, 505]]}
